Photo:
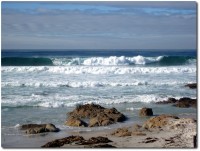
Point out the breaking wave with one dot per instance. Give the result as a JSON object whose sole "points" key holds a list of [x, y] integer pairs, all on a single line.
{"points": [[98, 61]]}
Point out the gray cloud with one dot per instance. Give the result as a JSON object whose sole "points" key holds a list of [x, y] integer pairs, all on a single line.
{"points": [[64, 29]]}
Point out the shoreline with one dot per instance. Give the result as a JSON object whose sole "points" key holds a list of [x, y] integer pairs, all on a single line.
{"points": [[37, 140]]}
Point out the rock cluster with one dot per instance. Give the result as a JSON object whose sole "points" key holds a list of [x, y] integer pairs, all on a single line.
{"points": [[93, 142], [182, 102], [97, 115], [39, 128]]}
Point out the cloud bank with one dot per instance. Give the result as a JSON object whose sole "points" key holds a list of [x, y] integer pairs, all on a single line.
{"points": [[99, 25]]}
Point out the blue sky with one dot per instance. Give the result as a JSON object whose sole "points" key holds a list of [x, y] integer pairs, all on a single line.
{"points": [[99, 25]]}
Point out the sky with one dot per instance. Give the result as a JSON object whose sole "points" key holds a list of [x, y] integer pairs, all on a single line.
{"points": [[99, 25]]}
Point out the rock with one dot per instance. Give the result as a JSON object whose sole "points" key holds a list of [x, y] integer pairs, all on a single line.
{"points": [[36, 130], [100, 120], [78, 140], [138, 133], [72, 121], [170, 100], [63, 141], [191, 85], [180, 123], [115, 115], [121, 132], [158, 121], [146, 112], [86, 111], [51, 128], [39, 128], [95, 140], [97, 115], [182, 102], [150, 140], [28, 126], [186, 102], [101, 146]]}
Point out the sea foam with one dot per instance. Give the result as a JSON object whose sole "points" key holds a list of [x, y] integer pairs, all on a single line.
{"points": [[99, 69]]}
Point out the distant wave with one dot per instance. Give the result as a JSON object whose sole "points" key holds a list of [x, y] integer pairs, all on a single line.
{"points": [[98, 61]]}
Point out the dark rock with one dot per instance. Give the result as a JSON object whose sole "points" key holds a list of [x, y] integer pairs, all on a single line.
{"points": [[95, 140], [97, 115], [191, 85], [79, 140], [158, 121], [39, 128], [150, 140], [182, 102], [186, 102], [101, 146], [146, 112], [63, 141], [170, 100], [28, 126]]}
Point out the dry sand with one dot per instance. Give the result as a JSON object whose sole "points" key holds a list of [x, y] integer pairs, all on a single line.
{"points": [[178, 134]]}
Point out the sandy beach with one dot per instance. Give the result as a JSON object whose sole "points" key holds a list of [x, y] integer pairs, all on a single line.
{"points": [[156, 138]]}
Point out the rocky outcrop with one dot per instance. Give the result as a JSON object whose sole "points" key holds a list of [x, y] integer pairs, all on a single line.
{"points": [[97, 142], [38, 128], [182, 102], [191, 85], [186, 102], [73, 121], [158, 121], [146, 112], [97, 115], [86, 111]]}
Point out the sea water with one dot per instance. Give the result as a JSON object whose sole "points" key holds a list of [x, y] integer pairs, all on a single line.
{"points": [[41, 86]]}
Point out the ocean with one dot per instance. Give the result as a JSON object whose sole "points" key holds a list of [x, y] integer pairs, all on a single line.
{"points": [[41, 86]]}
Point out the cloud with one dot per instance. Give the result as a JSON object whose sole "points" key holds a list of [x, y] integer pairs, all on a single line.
{"points": [[99, 25]]}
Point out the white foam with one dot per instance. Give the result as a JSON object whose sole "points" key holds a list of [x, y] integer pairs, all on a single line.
{"points": [[132, 109], [100, 69], [77, 84], [113, 60], [57, 101]]}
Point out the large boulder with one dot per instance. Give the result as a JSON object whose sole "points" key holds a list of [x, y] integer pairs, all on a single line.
{"points": [[158, 121], [96, 114], [39, 128], [146, 112]]}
